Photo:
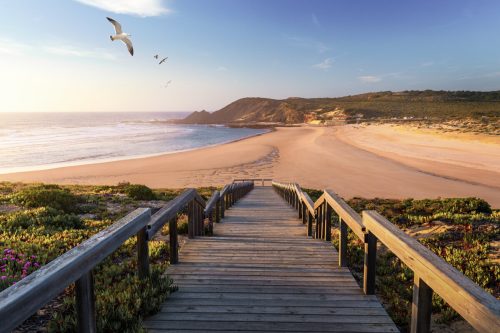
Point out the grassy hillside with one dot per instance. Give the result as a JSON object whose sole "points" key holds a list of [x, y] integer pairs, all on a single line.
{"points": [[438, 105]]}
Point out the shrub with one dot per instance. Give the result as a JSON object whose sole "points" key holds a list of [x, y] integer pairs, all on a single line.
{"points": [[46, 217], [138, 192], [46, 196]]}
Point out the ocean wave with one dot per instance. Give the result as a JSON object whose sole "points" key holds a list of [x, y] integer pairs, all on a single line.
{"points": [[37, 143]]}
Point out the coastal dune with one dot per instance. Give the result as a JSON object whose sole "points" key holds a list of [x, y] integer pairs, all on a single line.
{"points": [[368, 161]]}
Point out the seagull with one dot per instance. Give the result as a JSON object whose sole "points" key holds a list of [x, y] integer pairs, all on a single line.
{"points": [[169, 81], [156, 56], [162, 61], [120, 35]]}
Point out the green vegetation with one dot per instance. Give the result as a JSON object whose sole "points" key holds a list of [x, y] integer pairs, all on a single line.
{"points": [[137, 192], [461, 231], [40, 222], [428, 105], [42, 195]]}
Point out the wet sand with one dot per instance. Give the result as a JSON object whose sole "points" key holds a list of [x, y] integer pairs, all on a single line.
{"points": [[371, 161]]}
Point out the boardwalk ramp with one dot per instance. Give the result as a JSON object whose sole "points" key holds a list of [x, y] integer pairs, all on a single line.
{"points": [[259, 272]]}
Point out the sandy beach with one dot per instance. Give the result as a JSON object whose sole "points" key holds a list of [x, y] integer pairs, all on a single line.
{"points": [[369, 161]]}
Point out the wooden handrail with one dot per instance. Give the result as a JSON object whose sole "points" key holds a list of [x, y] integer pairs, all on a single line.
{"points": [[475, 305], [432, 274], [345, 212], [211, 202], [22, 300], [262, 180], [170, 211]]}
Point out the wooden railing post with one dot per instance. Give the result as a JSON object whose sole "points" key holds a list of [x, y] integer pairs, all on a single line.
{"points": [[211, 222], [323, 221], [222, 205], [342, 243], [319, 221], [143, 253], [300, 209], [196, 219], [304, 212], [174, 241], [201, 220], [309, 224], [191, 230], [370, 264], [85, 303], [217, 211], [328, 224], [421, 308]]}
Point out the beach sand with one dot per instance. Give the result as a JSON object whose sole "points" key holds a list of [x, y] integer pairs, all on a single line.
{"points": [[368, 161]]}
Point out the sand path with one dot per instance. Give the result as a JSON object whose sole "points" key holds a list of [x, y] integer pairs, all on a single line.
{"points": [[376, 161]]}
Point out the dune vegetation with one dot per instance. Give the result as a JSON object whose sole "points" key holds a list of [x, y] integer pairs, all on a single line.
{"points": [[40, 222], [463, 231]]}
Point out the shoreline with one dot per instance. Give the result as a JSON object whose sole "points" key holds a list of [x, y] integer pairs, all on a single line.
{"points": [[122, 158], [368, 162]]}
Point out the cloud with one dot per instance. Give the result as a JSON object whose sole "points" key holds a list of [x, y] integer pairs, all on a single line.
{"points": [[142, 8], [369, 79], [325, 64], [72, 51], [11, 47], [315, 20], [222, 69], [14, 48], [308, 43]]}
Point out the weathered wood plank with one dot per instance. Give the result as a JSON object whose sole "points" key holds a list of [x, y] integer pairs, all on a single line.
{"points": [[374, 309], [270, 326], [259, 272]]}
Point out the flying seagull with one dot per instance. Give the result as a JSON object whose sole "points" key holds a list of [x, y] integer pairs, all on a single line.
{"points": [[169, 81], [162, 61], [120, 35], [156, 56]]}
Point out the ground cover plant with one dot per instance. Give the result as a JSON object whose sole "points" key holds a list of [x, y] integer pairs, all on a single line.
{"points": [[39, 222], [463, 231]]}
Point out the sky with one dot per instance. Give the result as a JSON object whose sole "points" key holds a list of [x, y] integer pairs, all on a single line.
{"points": [[56, 55]]}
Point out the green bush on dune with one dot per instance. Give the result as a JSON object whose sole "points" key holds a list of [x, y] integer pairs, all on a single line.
{"points": [[52, 196], [137, 192], [45, 217]]}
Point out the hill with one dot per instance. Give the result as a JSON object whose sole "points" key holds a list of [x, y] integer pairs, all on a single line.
{"points": [[439, 105]]}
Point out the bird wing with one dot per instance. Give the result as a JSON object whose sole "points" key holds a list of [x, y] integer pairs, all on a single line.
{"points": [[129, 45], [163, 60], [118, 27]]}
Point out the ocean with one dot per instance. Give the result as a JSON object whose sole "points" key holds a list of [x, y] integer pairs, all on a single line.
{"points": [[33, 141]]}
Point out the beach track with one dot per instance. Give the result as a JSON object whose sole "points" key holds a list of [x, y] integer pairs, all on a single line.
{"points": [[259, 272]]}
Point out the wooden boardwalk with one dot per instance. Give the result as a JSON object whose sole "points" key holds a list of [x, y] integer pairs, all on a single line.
{"points": [[259, 272]]}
